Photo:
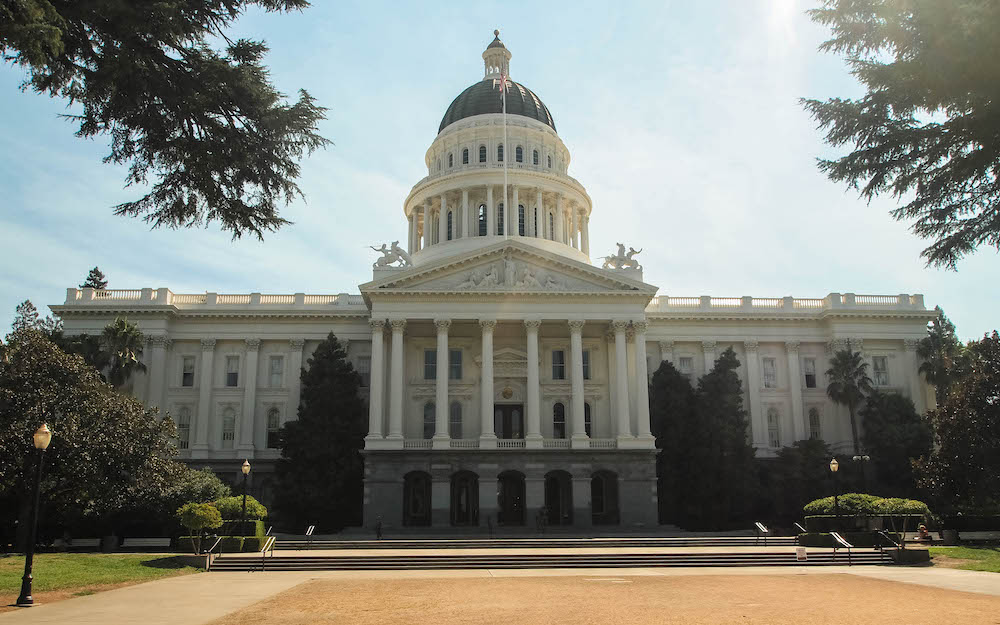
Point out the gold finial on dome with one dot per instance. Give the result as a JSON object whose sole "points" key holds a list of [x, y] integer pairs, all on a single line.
{"points": [[496, 33]]}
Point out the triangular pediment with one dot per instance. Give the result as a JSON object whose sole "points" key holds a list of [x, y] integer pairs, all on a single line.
{"points": [[508, 267]]}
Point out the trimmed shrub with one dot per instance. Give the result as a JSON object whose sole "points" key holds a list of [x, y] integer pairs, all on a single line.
{"points": [[231, 544], [833, 523], [232, 527], [848, 503], [198, 517], [231, 508], [254, 543], [894, 506]]}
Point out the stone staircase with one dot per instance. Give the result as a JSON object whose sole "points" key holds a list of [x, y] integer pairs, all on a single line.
{"points": [[530, 543]]}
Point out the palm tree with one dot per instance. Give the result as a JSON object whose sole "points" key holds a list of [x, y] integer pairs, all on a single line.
{"points": [[123, 342], [849, 382], [941, 354]]}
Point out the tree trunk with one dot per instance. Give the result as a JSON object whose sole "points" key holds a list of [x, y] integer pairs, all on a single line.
{"points": [[854, 429]]}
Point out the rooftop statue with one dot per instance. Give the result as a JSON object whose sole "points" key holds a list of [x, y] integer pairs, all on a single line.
{"points": [[621, 260], [395, 254]]}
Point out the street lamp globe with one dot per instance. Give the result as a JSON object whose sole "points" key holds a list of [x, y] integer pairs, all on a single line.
{"points": [[834, 465], [42, 437], [246, 467]]}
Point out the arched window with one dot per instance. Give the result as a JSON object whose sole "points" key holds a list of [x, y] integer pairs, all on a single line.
{"points": [[534, 157], [552, 228], [500, 218], [228, 428], [520, 219], [429, 420], [465, 156], [773, 428], [273, 425], [586, 419], [482, 154], [184, 428], [500, 153], [550, 161], [455, 420], [451, 161], [534, 215], [449, 225], [416, 499], [519, 154], [482, 220], [558, 421]]}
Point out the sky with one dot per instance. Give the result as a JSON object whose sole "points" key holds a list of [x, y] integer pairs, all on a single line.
{"points": [[682, 120]]}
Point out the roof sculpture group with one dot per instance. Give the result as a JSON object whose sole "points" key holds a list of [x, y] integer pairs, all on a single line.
{"points": [[621, 260]]}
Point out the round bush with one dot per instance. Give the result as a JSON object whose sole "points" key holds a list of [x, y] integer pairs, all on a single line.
{"points": [[848, 503], [231, 508], [199, 516]]}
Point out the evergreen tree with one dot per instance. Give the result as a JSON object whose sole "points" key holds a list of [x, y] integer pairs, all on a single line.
{"points": [[800, 474], [671, 409], [895, 435], [926, 128], [321, 470], [941, 352], [849, 383], [220, 142], [26, 317], [95, 280]]}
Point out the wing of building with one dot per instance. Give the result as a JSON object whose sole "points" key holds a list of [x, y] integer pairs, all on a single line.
{"points": [[505, 372]]}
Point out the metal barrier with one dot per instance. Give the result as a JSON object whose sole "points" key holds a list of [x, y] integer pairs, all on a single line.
{"points": [[309, 533], [209, 554], [884, 536], [838, 539], [761, 531]]}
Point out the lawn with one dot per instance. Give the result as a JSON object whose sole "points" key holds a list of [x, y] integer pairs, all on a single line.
{"points": [[985, 558], [85, 573]]}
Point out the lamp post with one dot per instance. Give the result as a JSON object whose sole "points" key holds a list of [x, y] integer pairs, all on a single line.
{"points": [[834, 465], [41, 439], [243, 515], [863, 459]]}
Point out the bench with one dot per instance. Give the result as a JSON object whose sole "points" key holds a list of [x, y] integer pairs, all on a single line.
{"points": [[84, 543], [146, 543]]}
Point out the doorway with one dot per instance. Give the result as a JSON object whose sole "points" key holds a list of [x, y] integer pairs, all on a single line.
{"points": [[510, 498], [559, 498], [508, 420]]}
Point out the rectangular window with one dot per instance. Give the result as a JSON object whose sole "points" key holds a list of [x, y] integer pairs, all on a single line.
{"points": [[586, 364], [232, 370], [770, 373], [454, 364], [880, 367], [184, 428], [430, 364], [686, 366], [773, 428], [187, 371], [558, 364], [276, 370], [809, 366], [228, 428], [273, 428], [365, 370], [815, 427]]}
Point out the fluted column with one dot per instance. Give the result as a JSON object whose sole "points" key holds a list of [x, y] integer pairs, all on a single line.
{"points": [[585, 234], [621, 379], [579, 432], [641, 381], [427, 223], [249, 396], [515, 229], [295, 380], [573, 228], [205, 385], [540, 212], [441, 436], [466, 220], [558, 218], [409, 234], [800, 429], [376, 385], [708, 349], [491, 215], [488, 435], [443, 220], [758, 426], [396, 381], [533, 436]]}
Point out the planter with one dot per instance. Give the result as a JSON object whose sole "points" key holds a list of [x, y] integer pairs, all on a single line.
{"points": [[949, 537]]}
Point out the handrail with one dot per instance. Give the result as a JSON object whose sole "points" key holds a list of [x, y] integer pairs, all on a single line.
{"points": [[268, 532], [209, 554], [801, 529], [761, 530], [837, 538], [268, 546], [885, 535]]}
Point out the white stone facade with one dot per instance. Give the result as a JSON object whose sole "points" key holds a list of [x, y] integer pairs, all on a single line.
{"points": [[503, 357]]}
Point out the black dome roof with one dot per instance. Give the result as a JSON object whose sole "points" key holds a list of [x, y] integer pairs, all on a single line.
{"points": [[484, 97]]}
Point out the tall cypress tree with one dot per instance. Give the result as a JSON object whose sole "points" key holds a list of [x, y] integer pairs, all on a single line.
{"points": [[95, 280], [671, 408], [321, 470]]}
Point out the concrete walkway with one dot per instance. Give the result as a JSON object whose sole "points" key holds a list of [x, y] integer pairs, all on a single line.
{"points": [[201, 598]]}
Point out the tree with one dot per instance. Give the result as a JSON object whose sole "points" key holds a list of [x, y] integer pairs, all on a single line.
{"points": [[95, 280], [26, 316], [926, 127], [321, 470], [194, 486], [198, 517], [220, 142], [849, 382], [108, 455], [231, 508], [895, 435], [941, 353], [963, 469], [671, 410], [801, 473], [123, 342]]}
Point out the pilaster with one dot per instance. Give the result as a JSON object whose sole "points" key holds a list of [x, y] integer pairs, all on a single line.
{"points": [[488, 437], [246, 446], [800, 428], [533, 435], [199, 449]]}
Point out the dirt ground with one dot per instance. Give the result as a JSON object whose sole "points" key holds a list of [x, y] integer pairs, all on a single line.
{"points": [[770, 599], [51, 596]]}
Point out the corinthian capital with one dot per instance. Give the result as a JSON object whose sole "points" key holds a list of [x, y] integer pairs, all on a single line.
{"points": [[207, 344], [398, 325], [252, 345]]}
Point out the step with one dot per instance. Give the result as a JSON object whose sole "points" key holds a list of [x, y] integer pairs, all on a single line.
{"points": [[506, 543]]}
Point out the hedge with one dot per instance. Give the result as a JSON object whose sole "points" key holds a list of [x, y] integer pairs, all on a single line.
{"points": [[233, 527], [232, 508], [863, 504], [858, 539], [972, 523], [229, 544]]}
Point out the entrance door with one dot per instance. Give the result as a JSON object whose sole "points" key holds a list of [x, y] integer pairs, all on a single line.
{"points": [[510, 498], [508, 419], [559, 498]]}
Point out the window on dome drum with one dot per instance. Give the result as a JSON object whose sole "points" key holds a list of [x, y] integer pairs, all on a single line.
{"points": [[429, 410], [500, 218], [482, 154], [187, 371], [550, 162], [586, 419], [184, 428], [520, 219], [232, 370], [482, 220], [275, 370], [815, 426], [552, 228], [770, 372], [449, 225], [558, 421], [586, 364], [809, 367], [685, 364], [451, 161], [365, 370], [454, 364], [430, 364], [455, 420], [534, 229], [465, 156], [773, 428], [519, 154], [534, 157], [558, 364], [228, 428], [500, 153], [273, 425], [880, 367]]}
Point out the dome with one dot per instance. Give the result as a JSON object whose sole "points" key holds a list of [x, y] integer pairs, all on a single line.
{"points": [[484, 97]]}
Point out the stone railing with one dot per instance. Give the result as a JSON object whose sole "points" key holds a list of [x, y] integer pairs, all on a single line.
{"points": [[833, 301], [510, 443], [603, 443], [164, 297], [555, 443], [417, 443], [464, 443]]}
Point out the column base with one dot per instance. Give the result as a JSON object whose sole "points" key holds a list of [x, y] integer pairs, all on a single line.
{"points": [[632, 442], [488, 441], [533, 441], [580, 441], [394, 437]]}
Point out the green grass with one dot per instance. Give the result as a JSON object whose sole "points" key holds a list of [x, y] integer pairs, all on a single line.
{"points": [[82, 571], [985, 558]]}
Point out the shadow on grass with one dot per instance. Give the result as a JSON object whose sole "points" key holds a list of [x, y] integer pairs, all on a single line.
{"points": [[169, 562]]}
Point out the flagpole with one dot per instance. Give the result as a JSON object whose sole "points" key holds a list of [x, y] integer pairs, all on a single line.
{"points": [[506, 157]]}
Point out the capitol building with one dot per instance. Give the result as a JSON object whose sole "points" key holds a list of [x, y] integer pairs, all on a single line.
{"points": [[506, 367]]}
